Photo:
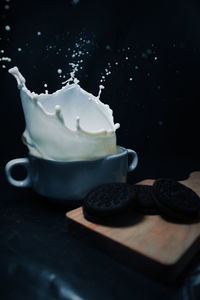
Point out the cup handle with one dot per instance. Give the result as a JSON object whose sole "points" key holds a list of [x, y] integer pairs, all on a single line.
{"points": [[8, 169], [134, 160]]}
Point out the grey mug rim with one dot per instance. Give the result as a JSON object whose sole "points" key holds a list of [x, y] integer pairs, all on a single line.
{"points": [[118, 154]]}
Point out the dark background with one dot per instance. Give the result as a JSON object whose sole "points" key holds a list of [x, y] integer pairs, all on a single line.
{"points": [[158, 111]]}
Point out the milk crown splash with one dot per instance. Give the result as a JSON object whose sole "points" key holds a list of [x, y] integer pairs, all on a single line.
{"points": [[69, 124]]}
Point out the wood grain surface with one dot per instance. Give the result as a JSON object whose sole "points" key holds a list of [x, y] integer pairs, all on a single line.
{"points": [[152, 238]]}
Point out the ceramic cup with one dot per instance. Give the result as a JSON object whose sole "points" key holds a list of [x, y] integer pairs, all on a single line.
{"points": [[74, 179]]}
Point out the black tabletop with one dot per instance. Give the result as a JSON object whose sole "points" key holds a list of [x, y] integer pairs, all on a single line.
{"points": [[41, 259]]}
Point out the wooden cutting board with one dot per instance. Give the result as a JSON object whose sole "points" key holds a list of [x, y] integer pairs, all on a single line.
{"points": [[151, 244]]}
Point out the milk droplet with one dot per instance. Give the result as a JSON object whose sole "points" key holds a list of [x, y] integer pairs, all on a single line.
{"points": [[126, 57], [3, 66], [59, 71], [108, 47], [144, 55], [101, 87], [7, 6], [5, 59], [19, 49], [136, 67], [74, 2], [149, 51], [7, 28], [39, 33], [130, 78], [155, 58], [2, 51]]}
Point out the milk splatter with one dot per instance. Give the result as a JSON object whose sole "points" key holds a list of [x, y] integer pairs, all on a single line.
{"points": [[72, 78], [75, 55], [75, 117]]}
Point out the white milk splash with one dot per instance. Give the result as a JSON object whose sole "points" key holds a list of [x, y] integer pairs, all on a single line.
{"points": [[70, 124]]}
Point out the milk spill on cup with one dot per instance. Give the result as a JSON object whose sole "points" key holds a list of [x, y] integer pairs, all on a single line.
{"points": [[70, 124]]}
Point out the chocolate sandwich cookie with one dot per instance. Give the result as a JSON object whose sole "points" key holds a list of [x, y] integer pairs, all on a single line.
{"points": [[145, 202], [108, 200], [176, 200]]}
